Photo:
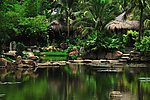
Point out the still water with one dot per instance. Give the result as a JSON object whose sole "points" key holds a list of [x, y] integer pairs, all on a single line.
{"points": [[73, 82]]}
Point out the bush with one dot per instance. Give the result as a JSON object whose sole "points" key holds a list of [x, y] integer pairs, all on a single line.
{"points": [[25, 55], [130, 38], [20, 47], [144, 46]]}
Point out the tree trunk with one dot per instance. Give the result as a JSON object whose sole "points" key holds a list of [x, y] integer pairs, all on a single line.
{"points": [[141, 20], [68, 27]]}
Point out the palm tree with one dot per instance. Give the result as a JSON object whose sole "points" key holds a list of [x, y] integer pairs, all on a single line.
{"points": [[147, 21], [95, 15], [66, 11], [141, 4]]}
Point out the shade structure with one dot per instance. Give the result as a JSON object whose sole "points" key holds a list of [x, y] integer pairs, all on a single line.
{"points": [[129, 25], [57, 25], [120, 24]]}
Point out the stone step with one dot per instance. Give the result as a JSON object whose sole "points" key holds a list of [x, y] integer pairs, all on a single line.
{"points": [[126, 54], [104, 61], [118, 65], [99, 68], [122, 60], [109, 71], [127, 58], [144, 78], [99, 65], [134, 52], [135, 58], [87, 61]]}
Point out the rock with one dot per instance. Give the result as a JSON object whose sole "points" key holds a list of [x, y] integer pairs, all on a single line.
{"points": [[30, 53], [24, 65], [109, 56], [33, 57], [74, 52], [114, 55], [62, 63], [55, 63], [6, 63], [36, 50], [96, 61], [79, 58], [76, 61], [3, 62], [50, 48], [43, 64], [143, 58], [3, 72], [113, 61], [29, 62], [87, 61], [118, 53], [20, 65], [115, 94], [104, 61], [19, 60], [10, 53], [64, 45], [10, 64]]}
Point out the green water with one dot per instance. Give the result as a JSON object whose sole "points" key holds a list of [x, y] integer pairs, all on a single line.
{"points": [[72, 82]]}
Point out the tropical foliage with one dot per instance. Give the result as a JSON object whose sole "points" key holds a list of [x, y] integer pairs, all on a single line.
{"points": [[28, 21]]}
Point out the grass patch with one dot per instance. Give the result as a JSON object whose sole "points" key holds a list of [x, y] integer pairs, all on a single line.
{"points": [[53, 58], [51, 53]]}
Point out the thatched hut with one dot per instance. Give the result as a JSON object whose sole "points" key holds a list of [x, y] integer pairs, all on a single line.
{"points": [[59, 26], [119, 24]]}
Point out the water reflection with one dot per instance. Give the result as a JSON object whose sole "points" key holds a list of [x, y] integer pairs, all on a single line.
{"points": [[73, 82], [18, 74]]}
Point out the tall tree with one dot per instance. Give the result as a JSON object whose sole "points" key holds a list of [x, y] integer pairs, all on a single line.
{"points": [[132, 5], [96, 15], [66, 11]]}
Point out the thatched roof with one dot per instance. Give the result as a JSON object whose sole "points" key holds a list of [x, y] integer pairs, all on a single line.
{"points": [[59, 26], [119, 24]]}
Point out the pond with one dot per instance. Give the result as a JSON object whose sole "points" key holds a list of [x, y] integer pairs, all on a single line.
{"points": [[73, 82]]}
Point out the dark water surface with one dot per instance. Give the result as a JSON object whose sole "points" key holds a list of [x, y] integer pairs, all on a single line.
{"points": [[73, 82]]}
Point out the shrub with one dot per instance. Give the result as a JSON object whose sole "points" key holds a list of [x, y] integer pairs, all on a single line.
{"points": [[20, 47], [144, 46], [130, 38]]}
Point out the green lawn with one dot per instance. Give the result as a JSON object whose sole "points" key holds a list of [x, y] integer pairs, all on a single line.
{"points": [[51, 53]]}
